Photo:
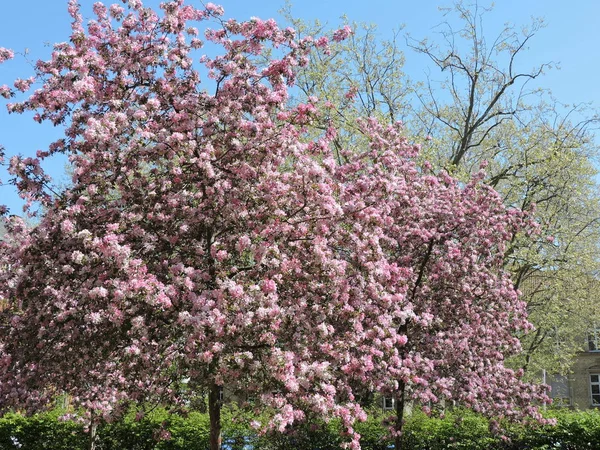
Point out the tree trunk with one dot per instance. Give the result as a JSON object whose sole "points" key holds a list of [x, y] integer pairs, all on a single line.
{"points": [[400, 400], [93, 434], [214, 413]]}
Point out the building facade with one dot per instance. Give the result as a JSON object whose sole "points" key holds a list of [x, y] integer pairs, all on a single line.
{"points": [[581, 388]]}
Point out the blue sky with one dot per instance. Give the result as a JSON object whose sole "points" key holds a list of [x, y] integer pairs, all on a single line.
{"points": [[571, 38]]}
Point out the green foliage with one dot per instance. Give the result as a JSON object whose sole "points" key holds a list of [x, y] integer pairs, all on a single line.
{"points": [[575, 430], [319, 435], [162, 430], [458, 430], [374, 432], [463, 429], [159, 430], [40, 432], [322, 436]]}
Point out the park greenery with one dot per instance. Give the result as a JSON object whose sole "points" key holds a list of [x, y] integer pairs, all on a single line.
{"points": [[163, 430], [280, 214]]}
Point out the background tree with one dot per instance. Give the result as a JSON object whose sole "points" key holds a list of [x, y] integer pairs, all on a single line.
{"points": [[540, 154], [487, 108], [359, 77]]}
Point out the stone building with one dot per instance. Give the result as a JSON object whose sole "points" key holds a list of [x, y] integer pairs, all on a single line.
{"points": [[580, 389]]}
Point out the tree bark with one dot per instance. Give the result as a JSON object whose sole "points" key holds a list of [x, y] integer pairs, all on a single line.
{"points": [[93, 434], [400, 401], [214, 413]]}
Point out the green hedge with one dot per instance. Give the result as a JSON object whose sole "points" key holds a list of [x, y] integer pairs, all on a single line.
{"points": [[160, 430], [43, 431]]}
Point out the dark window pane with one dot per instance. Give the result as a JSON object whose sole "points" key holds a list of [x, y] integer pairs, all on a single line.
{"points": [[594, 378]]}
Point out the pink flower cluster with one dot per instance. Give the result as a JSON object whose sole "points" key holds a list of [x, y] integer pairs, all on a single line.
{"points": [[6, 54]]}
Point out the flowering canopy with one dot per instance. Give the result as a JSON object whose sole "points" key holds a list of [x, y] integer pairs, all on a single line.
{"points": [[205, 237]]}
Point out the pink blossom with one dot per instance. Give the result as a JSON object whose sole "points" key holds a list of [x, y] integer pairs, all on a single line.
{"points": [[243, 243], [6, 54], [67, 226], [214, 9], [133, 350], [342, 33], [352, 92], [5, 91], [95, 318], [77, 257], [268, 286]]}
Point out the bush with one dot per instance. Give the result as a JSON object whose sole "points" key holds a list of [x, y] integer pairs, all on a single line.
{"points": [[161, 430], [463, 429], [575, 430], [373, 432], [158, 430], [40, 432], [459, 429]]}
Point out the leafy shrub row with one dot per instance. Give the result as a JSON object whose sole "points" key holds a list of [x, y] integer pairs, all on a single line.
{"points": [[161, 430]]}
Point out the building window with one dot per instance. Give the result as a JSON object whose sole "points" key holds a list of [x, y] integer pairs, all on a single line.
{"points": [[594, 340], [595, 388], [388, 403], [559, 390]]}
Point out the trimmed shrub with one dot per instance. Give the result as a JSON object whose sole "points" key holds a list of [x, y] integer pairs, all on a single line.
{"points": [[459, 429], [40, 432], [162, 430]]}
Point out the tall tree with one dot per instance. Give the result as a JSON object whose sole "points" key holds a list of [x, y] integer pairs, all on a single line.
{"points": [[207, 236], [193, 240], [540, 153]]}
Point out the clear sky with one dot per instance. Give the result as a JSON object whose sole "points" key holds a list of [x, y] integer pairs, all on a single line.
{"points": [[571, 38]]}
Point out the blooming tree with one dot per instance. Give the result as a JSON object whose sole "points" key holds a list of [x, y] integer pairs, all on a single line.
{"points": [[205, 237], [459, 312]]}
